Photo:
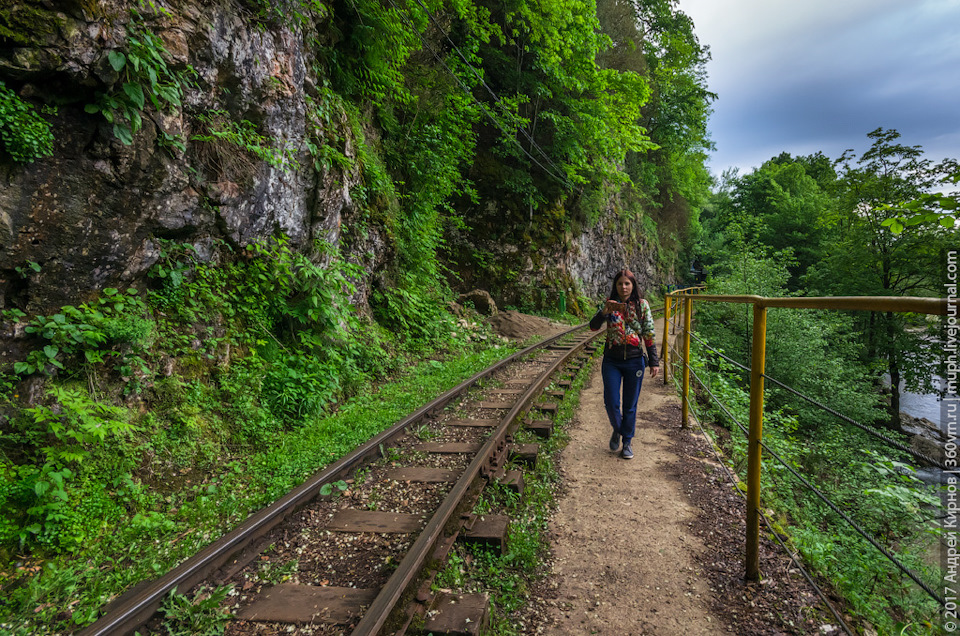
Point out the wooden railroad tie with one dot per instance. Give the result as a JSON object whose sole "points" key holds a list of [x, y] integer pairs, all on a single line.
{"points": [[540, 428], [474, 423], [488, 530], [513, 480], [422, 475], [525, 453], [457, 615], [450, 448], [487, 404], [290, 603], [547, 408], [351, 520]]}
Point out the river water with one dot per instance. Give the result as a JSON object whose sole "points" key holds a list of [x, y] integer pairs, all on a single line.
{"points": [[926, 405]]}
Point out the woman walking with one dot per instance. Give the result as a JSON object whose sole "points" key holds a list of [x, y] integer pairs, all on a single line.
{"points": [[629, 320]]}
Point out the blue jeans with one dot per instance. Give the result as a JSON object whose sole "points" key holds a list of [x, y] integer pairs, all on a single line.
{"points": [[629, 374]]}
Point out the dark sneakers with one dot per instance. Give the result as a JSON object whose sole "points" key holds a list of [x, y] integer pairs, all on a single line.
{"points": [[627, 452], [615, 441]]}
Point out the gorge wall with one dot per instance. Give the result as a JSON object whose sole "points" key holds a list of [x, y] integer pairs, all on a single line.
{"points": [[95, 213]]}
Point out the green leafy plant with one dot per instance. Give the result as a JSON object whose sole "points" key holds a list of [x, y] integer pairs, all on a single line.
{"points": [[145, 77], [929, 207], [68, 432], [327, 489], [197, 616], [25, 135], [325, 115], [78, 423], [297, 386], [113, 327], [292, 13]]}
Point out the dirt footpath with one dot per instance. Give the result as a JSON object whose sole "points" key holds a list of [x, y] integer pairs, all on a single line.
{"points": [[654, 545], [623, 558]]}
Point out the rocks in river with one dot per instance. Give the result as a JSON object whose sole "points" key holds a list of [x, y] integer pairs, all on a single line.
{"points": [[928, 447], [926, 437]]}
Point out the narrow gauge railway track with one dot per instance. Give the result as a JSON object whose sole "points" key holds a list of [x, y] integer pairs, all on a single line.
{"points": [[362, 562]]}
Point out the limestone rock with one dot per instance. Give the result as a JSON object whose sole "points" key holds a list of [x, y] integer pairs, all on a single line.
{"points": [[91, 214]]}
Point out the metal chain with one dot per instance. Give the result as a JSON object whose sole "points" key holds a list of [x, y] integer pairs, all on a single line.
{"points": [[868, 429], [719, 403], [856, 527]]}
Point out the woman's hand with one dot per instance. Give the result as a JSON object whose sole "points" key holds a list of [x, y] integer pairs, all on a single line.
{"points": [[654, 371], [611, 306]]}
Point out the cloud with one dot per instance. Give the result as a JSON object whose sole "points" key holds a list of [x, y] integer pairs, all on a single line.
{"points": [[802, 77]]}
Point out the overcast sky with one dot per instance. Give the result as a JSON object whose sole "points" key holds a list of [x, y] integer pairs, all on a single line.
{"points": [[820, 74]]}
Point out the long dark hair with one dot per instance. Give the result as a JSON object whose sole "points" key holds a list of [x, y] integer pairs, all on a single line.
{"points": [[634, 293]]}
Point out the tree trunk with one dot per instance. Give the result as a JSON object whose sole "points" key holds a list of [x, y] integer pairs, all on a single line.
{"points": [[893, 367], [895, 396], [871, 336]]}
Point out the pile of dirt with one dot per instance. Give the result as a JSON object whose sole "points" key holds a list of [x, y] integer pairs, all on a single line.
{"points": [[513, 324]]}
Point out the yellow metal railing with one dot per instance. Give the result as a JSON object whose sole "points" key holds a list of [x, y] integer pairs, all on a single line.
{"points": [[935, 306], [665, 349]]}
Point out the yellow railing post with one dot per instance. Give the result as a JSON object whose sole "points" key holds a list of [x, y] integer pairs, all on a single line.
{"points": [[687, 308], [665, 349], [677, 316], [755, 434]]}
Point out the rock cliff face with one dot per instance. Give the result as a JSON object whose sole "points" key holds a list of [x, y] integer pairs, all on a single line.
{"points": [[95, 213], [602, 250], [91, 214]]}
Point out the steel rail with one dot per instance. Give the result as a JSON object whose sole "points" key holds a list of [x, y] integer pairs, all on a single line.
{"points": [[410, 568], [134, 608]]}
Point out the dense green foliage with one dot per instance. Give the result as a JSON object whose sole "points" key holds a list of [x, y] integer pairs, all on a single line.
{"points": [[929, 207], [810, 226], [863, 476], [25, 135], [826, 221], [144, 77]]}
